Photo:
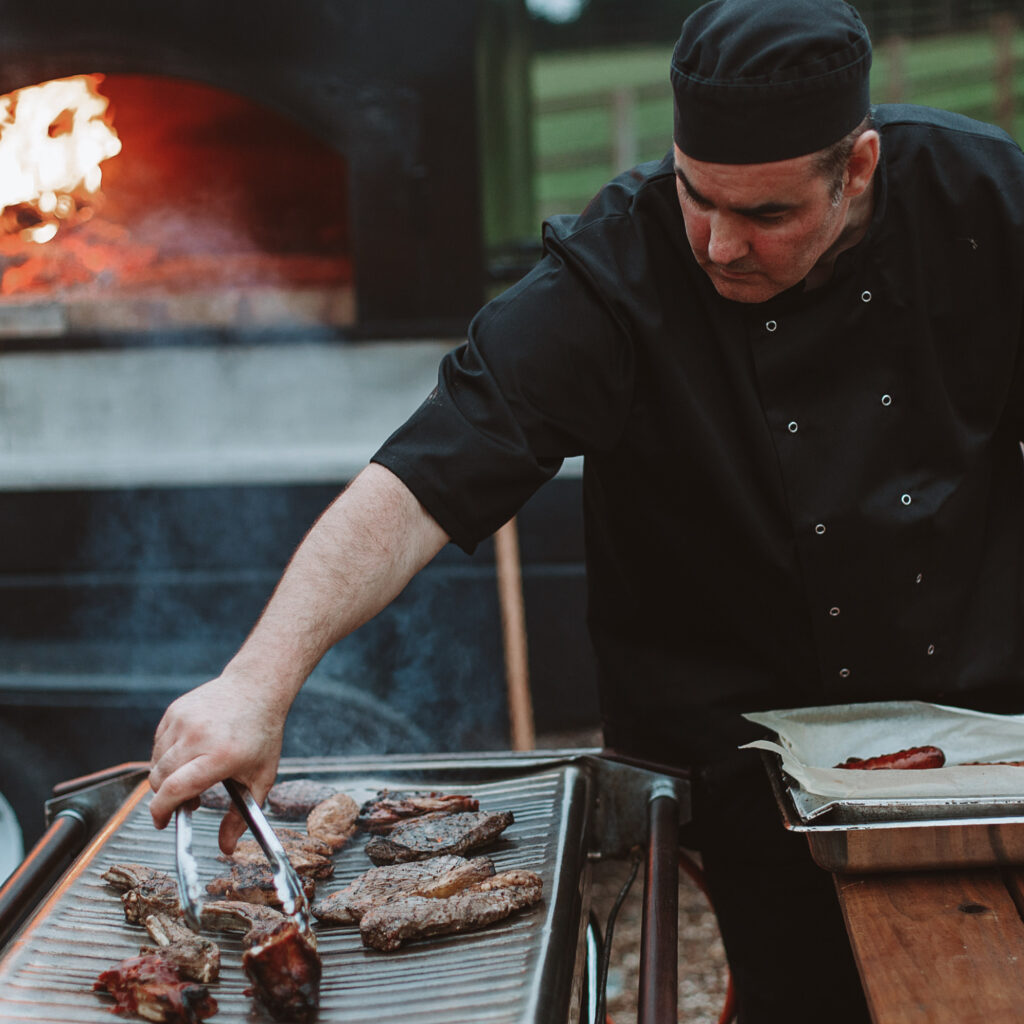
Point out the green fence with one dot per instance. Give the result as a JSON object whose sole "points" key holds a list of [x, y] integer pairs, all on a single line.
{"points": [[597, 113]]}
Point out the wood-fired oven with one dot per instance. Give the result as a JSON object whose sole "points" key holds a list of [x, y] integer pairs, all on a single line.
{"points": [[294, 222], [328, 164]]}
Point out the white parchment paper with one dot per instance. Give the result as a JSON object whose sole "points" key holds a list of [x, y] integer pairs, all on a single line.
{"points": [[812, 740]]}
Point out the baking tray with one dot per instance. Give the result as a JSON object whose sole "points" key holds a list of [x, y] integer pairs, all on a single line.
{"points": [[910, 834]]}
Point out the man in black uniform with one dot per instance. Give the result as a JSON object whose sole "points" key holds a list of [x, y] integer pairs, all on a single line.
{"points": [[789, 353]]}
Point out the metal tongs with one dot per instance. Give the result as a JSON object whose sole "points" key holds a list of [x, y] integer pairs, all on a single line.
{"points": [[286, 882]]}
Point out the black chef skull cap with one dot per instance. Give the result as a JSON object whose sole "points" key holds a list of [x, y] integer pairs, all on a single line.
{"points": [[756, 81]]}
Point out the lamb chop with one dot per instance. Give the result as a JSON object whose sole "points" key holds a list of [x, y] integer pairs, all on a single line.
{"points": [[434, 878], [285, 969], [295, 798], [144, 891], [333, 820], [151, 987], [431, 836], [387, 926], [253, 884], [253, 920], [311, 857], [388, 809], [196, 958]]}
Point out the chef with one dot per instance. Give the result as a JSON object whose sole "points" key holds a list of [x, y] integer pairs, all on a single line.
{"points": [[790, 355]]}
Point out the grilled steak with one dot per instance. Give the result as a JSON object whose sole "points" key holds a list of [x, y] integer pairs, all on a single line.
{"points": [[387, 809], [253, 884], [295, 798], [150, 987], [144, 891], [437, 877], [333, 820], [387, 926], [196, 958], [285, 973], [435, 835], [309, 856], [253, 920]]}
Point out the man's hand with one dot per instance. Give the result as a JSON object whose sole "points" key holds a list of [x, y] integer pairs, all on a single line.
{"points": [[222, 729], [355, 559]]}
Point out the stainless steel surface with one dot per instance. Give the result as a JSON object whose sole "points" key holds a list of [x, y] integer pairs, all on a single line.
{"points": [[526, 969], [286, 881], [900, 835], [185, 869]]}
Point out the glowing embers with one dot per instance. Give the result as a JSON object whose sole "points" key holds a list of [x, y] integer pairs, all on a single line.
{"points": [[219, 213], [53, 138]]}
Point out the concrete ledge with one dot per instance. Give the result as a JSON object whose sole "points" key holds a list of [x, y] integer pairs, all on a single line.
{"points": [[178, 416]]}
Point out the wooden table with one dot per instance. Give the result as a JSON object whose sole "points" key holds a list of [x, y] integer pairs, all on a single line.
{"points": [[938, 947]]}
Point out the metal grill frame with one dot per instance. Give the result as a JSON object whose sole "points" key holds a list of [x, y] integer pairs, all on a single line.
{"points": [[571, 807]]}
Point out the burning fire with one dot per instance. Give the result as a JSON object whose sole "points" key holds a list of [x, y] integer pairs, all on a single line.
{"points": [[53, 138]]}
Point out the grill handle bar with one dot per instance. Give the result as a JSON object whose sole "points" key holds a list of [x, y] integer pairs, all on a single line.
{"points": [[74, 815], [56, 848], [659, 937]]}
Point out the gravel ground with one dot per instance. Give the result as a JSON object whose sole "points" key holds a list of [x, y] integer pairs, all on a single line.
{"points": [[703, 975]]}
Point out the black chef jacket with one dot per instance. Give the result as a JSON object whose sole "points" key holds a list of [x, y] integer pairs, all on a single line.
{"points": [[817, 499]]}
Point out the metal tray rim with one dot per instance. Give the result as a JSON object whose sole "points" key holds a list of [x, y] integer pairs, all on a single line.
{"points": [[886, 810]]}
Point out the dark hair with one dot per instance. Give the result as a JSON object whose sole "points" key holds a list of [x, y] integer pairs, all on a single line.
{"points": [[831, 162]]}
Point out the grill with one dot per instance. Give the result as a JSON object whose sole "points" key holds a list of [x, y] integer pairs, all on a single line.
{"points": [[569, 808]]}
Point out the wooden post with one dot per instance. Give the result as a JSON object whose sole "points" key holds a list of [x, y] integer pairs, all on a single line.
{"points": [[513, 627], [895, 51], [1002, 39]]}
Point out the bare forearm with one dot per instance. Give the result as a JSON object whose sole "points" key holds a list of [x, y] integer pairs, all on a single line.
{"points": [[356, 559]]}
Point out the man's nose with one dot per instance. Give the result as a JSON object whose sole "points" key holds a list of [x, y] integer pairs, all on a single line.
{"points": [[727, 241]]}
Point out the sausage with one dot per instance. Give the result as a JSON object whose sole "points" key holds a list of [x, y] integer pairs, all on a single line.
{"points": [[912, 757]]}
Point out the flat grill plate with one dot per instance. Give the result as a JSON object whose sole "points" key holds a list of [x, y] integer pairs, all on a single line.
{"points": [[522, 969]]}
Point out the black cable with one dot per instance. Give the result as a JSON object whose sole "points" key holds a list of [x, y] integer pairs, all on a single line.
{"points": [[606, 953]]}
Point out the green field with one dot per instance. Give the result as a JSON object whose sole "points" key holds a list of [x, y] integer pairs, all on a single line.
{"points": [[574, 146]]}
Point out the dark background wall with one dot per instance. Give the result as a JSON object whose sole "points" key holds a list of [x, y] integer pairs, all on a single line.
{"points": [[115, 601]]}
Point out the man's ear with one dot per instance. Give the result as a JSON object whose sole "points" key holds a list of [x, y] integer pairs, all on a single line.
{"points": [[860, 168]]}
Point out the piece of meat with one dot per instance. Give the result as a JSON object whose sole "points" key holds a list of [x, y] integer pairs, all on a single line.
{"points": [[911, 758], [253, 884], [216, 798], [295, 798], [434, 878], [307, 854], [333, 820], [387, 926], [387, 809], [144, 891], [285, 970], [252, 920], [150, 987], [1003, 764], [196, 958], [432, 836]]}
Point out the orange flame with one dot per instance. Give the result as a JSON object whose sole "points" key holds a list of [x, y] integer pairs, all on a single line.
{"points": [[53, 138]]}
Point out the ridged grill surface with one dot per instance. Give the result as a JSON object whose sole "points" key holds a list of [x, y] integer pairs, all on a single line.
{"points": [[487, 977]]}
